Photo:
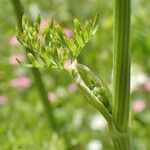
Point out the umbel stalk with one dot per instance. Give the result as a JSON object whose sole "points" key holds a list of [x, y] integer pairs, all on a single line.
{"points": [[36, 73]]}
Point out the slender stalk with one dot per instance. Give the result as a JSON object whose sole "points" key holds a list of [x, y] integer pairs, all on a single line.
{"points": [[37, 75], [121, 74]]}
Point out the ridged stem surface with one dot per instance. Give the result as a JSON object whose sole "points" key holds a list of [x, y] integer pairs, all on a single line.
{"points": [[121, 73]]}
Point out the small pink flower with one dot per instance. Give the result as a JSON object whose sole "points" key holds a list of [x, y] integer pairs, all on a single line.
{"points": [[3, 99], [44, 22], [72, 87], [13, 41], [21, 83], [52, 96], [12, 58], [68, 32], [147, 86], [68, 64], [138, 106]]}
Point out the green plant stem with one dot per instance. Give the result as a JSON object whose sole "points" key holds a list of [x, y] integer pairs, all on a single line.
{"points": [[121, 140], [92, 99], [37, 75], [121, 74]]}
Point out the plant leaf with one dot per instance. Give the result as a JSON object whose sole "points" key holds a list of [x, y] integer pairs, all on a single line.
{"points": [[72, 47], [24, 64], [79, 41]]}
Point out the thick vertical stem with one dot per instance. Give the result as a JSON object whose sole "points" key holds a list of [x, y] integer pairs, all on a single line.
{"points": [[121, 65], [121, 73], [37, 75]]}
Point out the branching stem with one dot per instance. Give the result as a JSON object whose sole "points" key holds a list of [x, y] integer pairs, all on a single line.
{"points": [[92, 99]]}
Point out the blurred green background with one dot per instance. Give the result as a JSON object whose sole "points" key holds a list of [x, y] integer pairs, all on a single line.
{"points": [[23, 123]]}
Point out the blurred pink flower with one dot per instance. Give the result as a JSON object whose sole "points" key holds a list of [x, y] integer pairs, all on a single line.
{"points": [[13, 41], [21, 82], [12, 58], [44, 22], [68, 64], [68, 32], [3, 99], [52, 96], [138, 105], [147, 86], [72, 87]]}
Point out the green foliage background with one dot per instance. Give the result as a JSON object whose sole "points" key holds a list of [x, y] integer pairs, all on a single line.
{"points": [[23, 123]]}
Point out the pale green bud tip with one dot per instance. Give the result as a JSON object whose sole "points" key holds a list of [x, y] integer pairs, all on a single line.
{"points": [[24, 20], [96, 19]]}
